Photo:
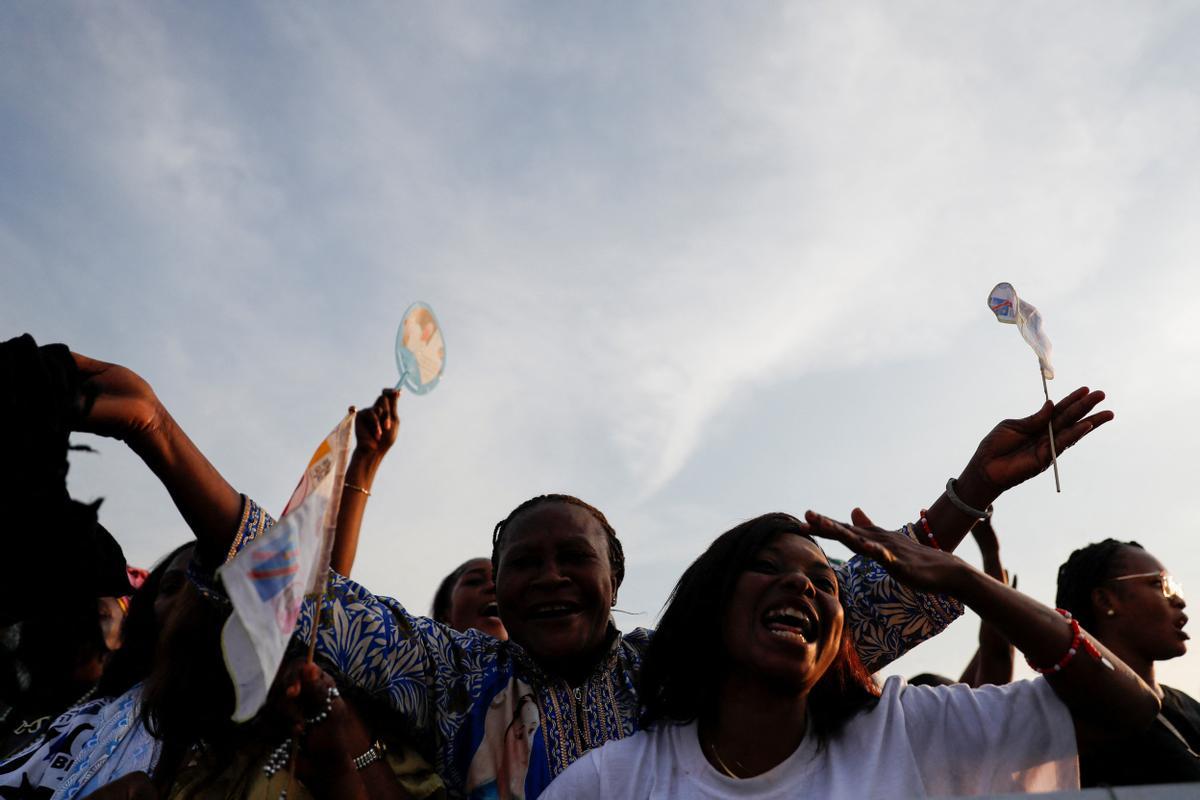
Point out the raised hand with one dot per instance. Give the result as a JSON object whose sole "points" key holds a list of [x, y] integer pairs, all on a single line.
{"points": [[123, 405], [375, 428], [918, 566], [1018, 449]]}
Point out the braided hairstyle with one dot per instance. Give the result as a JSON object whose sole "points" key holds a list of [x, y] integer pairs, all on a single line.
{"points": [[1087, 568], [616, 555]]}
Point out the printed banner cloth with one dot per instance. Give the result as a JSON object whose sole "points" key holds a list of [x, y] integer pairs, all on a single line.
{"points": [[268, 579]]}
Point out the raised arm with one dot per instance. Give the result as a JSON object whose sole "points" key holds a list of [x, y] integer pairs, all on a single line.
{"points": [[993, 661], [375, 430], [1104, 696], [125, 407], [1012, 453]]}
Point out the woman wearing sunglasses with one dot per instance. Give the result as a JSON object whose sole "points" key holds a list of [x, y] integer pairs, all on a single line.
{"points": [[1125, 598]]}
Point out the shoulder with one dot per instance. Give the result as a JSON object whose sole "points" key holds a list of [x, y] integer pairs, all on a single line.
{"points": [[619, 768]]}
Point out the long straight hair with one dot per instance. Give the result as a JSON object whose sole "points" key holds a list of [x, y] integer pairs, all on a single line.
{"points": [[686, 660]]}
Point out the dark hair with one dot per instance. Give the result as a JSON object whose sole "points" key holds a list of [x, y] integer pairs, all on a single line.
{"points": [[440, 612], [616, 555], [681, 673], [1084, 570], [188, 695], [139, 633]]}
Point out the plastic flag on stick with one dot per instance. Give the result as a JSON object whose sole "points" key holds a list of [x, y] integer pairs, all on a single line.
{"points": [[1012, 310], [268, 579]]}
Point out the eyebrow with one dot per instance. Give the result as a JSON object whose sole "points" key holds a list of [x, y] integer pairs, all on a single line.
{"points": [[815, 566]]}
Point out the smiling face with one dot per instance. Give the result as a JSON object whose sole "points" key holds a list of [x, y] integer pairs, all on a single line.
{"points": [[1143, 620], [784, 622], [555, 585], [473, 600]]}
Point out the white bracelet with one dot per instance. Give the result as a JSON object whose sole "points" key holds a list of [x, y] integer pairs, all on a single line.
{"points": [[957, 502]]}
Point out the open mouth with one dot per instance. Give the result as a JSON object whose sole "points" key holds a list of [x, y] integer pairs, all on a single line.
{"points": [[791, 623], [1179, 623], [490, 610], [552, 611]]}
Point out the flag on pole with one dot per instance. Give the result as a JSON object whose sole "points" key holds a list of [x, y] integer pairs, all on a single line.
{"points": [[268, 579], [1012, 310]]}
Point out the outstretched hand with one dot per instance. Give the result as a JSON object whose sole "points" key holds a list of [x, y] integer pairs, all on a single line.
{"points": [[375, 428], [123, 407], [1018, 449], [918, 566]]}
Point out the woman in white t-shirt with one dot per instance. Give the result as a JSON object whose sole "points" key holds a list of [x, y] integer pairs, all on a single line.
{"points": [[751, 689]]}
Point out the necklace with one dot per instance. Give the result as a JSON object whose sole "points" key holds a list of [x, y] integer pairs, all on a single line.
{"points": [[712, 748]]}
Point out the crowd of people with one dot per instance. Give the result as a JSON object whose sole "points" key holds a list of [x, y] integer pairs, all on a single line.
{"points": [[758, 682]]}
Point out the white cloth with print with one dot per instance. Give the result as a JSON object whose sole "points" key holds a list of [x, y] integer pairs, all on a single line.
{"points": [[920, 741]]}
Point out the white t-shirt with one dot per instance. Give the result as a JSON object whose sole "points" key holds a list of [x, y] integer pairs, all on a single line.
{"points": [[920, 741]]}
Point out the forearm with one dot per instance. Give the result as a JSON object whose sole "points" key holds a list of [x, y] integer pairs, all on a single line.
{"points": [[208, 504], [360, 476], [994, 658], [949, 523], [1100, 693]]}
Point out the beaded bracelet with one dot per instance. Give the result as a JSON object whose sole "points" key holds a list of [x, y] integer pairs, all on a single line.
{"points": [[1078, 641], [330, 696], [925, 526]]}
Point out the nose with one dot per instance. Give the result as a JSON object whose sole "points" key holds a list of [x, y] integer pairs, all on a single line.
{"points": [[1178, 601], [550, 576], [800, 582]]}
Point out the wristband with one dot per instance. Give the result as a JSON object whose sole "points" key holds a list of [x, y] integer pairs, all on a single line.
{"points": [[957, 502], [374, 753]]}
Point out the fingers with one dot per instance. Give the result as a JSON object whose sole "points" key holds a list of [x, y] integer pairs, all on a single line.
{"points": [[857, 539], [860, 518], [1074, 406], [1067, 438]]}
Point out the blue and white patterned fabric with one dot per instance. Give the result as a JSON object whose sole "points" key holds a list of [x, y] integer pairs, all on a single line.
{"points": [[500, 726], [39, 769], [119, 745]]}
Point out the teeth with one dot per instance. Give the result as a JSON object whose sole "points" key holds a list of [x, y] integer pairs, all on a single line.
{"points": [[790, 622]]}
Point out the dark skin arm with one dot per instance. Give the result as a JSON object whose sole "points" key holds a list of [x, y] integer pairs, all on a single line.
{"points": [[1012, 453], [1104, 703], [127, 408], [993, 661], [375, 431]]}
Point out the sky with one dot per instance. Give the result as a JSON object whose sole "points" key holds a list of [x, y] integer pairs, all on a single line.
{"points": [[694, 261]]}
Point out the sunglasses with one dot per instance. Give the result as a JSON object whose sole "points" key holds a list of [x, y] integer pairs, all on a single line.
{"points": [[1170, 587]]}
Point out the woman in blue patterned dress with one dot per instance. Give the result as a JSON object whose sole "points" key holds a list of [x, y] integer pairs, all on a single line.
{"points": [[503, 718]]}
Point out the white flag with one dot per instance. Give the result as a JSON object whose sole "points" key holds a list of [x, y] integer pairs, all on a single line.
{"points": [[1009, 308], [268, 579]]}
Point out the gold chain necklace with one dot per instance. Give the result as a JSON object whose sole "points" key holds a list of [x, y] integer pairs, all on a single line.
{"points": [[712, 748]]}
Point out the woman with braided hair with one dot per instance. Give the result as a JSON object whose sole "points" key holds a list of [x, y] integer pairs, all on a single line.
{"points": [[503, 718], [1127, 600]]}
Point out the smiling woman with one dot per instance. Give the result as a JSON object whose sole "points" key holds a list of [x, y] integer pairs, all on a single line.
{"points": [[466, 599], [751, 690]]}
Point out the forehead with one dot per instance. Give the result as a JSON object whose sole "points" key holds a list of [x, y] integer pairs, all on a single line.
{"points": [[1134, 561], [476, 566], [554, 523], [796, 549]]}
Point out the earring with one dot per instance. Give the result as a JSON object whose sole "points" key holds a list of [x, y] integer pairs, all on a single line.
{"points": [[1110, 613]]}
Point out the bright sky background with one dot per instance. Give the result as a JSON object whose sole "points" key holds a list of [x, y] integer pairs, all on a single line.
{"points": [[694, 261]]}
